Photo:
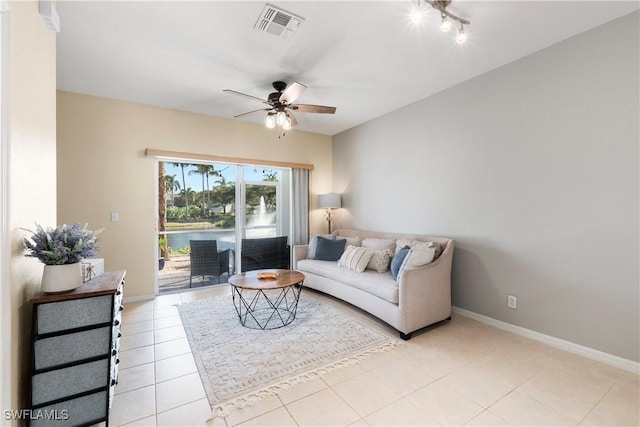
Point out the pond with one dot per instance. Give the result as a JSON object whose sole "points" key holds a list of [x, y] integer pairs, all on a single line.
{"points": [[226, 237]]}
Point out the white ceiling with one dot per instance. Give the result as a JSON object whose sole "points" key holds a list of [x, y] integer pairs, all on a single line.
{"points": [[363, 57]]}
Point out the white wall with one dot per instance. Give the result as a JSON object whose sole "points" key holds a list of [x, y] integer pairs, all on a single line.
{"points": [[533, 169], [32, 172], [102, 169]]}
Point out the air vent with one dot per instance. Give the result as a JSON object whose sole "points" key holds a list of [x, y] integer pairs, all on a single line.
{"points": [[278, 22]]}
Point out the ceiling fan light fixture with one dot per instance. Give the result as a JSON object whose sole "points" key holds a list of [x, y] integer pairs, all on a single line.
{"points": [[270, 121], [281, 105]]}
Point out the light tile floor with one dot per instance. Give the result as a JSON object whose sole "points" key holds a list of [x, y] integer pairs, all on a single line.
{"points": [[460, 372]]}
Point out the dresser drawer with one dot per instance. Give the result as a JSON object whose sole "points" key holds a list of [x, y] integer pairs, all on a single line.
{"points": [[58, 350], [70, 314], [60, 383], [81, 411]]}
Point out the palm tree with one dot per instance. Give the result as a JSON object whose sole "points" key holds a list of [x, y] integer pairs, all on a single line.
{"points": [[269, 193], [171, 184], [189, 194], [184, 183], [162, 205], [269, 175], [212, 172], [225, 192], [205, 171]]}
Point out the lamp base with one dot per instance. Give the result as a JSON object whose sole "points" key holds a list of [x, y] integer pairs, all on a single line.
{"points": [[329, 217]]}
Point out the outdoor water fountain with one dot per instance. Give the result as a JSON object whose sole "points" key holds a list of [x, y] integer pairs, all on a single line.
{"points": [[263, 218], [263, 224]]}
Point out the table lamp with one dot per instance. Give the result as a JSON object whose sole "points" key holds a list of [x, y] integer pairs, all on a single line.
{"points": [[329, 201]]}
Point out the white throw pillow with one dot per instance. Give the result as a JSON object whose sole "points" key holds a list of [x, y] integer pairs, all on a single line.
{"points": [[355, 258], [401, 243], [380, 260], [417, 257]]}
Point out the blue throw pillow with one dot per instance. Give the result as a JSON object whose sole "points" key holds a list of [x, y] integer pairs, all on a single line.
{"points": [[396, 262], [329, 250]]}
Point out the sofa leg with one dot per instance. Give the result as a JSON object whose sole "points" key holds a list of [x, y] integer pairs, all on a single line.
{"points": [[404, 336]]}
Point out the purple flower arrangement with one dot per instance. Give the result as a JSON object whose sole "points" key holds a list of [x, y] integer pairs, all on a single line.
{"points": [[66, 244]]}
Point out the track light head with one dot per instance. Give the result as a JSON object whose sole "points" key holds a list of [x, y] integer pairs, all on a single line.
{"points": [[462, 36], [417, 12], [445, 25]]}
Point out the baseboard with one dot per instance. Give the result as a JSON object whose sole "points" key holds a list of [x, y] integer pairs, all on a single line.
{"points": [[138, 298], [600, 356]]}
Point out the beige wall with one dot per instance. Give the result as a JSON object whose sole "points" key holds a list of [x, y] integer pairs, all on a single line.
{"points": [[32, 170], [533, 169], [102, 169]]}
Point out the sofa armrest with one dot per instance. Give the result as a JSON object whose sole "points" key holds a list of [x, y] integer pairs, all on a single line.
{"points": [[299, 252], [425, 292]]}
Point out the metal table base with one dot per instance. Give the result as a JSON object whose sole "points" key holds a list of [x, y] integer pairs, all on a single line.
{"points": [[258, 309]]}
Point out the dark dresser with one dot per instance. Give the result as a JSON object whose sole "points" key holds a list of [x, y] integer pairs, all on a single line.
{"points": [[74, 347]]}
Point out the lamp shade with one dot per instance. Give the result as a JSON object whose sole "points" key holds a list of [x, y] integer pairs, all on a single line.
{"points": [[330, 200]]}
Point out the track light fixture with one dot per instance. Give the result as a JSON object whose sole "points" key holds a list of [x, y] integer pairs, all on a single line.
{"points": [[447, 17]]}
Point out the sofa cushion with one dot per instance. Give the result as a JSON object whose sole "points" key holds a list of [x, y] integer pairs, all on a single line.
{"points": [[351, 241], [329, 250], [378, 244], [380, 260], [378, 284], [397, 261], [417, 257], [412, 243], [355, 258], [313, 242]]}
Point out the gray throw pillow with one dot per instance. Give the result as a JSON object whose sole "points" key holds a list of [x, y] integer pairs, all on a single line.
{"points": [[329, 250], [397, 260], [313, 240]]}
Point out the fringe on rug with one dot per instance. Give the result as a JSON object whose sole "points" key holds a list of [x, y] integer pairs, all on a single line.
{"points": [[256, 396]]}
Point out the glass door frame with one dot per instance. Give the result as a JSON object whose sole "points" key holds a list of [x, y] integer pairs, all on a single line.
{"points": [[241, 206]]}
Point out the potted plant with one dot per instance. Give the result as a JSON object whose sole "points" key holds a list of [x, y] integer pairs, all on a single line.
{"points": [[61, 249], [163, 245]]}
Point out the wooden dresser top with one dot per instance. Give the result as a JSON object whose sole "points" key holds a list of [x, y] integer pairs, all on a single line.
{"points": [[104, 284]]}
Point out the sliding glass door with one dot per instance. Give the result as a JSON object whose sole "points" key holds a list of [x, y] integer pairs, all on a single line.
{"points": [[215, 202]]}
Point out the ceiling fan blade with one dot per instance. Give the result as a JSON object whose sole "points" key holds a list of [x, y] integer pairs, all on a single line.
{"points": [[292, 118], [308, 108], [244, 95], [292, 93], [252, 112]]}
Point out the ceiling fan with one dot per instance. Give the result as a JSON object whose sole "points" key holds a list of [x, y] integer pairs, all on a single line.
{"points": [[281, 105]]}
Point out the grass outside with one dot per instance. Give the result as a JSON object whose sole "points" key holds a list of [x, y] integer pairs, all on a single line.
{"points": [[179, 226]]}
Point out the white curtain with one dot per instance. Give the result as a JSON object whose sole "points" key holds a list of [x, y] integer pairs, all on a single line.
{"points": [[300, 196]]}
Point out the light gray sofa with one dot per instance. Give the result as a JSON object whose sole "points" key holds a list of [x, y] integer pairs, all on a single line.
{"points": [[420, 297]]}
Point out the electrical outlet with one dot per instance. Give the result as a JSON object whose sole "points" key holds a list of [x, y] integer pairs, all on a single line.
{"points": [[512, 302], [115, 217]]}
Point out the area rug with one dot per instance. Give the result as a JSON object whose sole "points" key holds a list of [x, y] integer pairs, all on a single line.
{"points": [[241, 366]]}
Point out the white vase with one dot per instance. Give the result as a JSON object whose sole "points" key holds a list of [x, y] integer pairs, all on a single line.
{"points": [[61, 278]]}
